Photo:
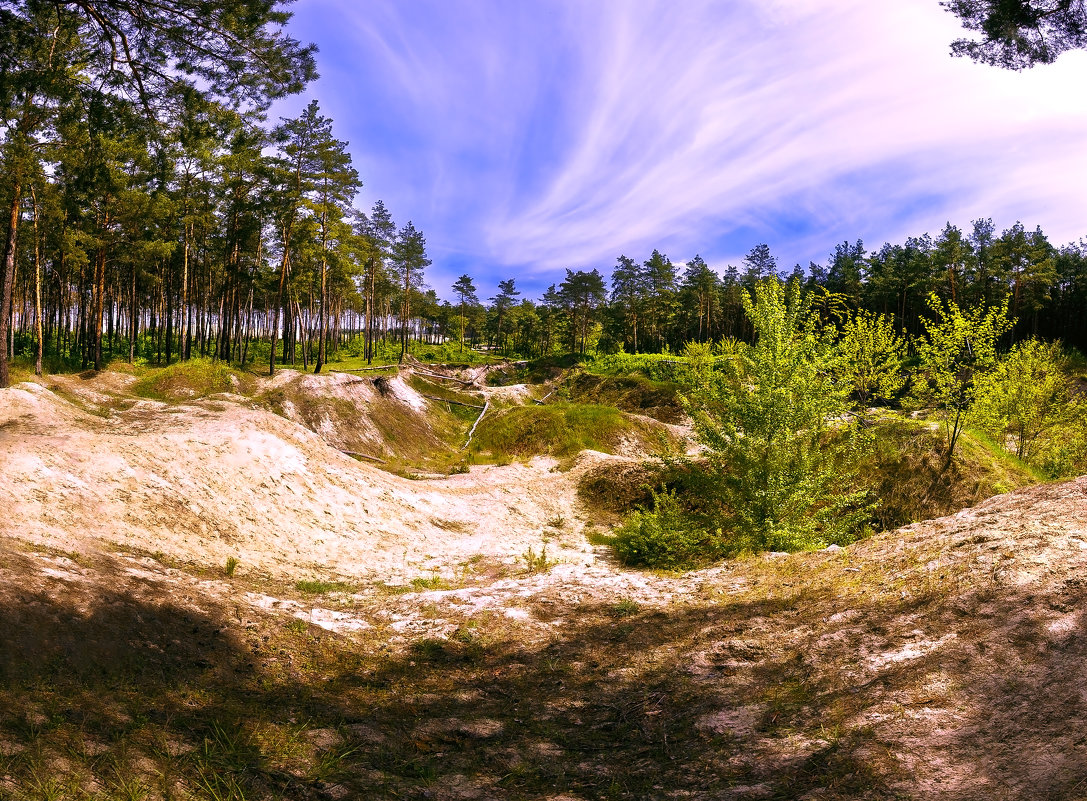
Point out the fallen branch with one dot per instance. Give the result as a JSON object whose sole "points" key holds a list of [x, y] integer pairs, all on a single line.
{"points": [[364, 456], [447, 400], [545, 397], [486, 406]]}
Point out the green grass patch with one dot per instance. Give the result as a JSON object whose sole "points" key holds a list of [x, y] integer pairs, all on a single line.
{"points": [[429, 583], [321, 587], [630, 393], [561, 430], [196, 378]]}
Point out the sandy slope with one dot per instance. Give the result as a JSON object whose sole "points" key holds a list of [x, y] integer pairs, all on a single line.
{"points": [[219, 478], [952, 651]]}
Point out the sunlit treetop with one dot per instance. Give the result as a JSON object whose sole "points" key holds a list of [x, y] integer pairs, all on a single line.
{"points": [[1017, 34], [234, 52]]}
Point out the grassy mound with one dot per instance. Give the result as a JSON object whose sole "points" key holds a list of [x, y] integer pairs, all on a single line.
{"points": [[372, 421], [631, 393], [196, 378], [906, 471], [561, 430]]}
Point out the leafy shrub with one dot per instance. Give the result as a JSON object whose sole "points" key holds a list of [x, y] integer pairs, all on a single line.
{"points": [[665, 537], [766, 418], [1028, 399]]}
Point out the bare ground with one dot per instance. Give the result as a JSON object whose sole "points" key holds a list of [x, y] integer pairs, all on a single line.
{"points": [[442, 657]]}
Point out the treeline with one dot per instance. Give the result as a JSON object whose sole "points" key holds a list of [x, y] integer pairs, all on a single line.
{"points": [[218, 238], [151, 210], [655, 304]]}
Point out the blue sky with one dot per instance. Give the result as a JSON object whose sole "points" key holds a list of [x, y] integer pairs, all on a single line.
{"points": [[530, 136]]}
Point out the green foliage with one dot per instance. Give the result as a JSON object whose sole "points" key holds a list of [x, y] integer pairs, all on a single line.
{"points": [[1027, 398], [656, 366], [765, 418], [319, 587], [230, 566], [872, 354], [388, 352], [957, 350], [196, 378], [699, 362], [558, 429], [630, 393], [665, 537], [434, 582], [537, 562]]}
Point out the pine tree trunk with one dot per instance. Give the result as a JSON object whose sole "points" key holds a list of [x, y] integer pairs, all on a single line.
{"points": [[8, 283]]}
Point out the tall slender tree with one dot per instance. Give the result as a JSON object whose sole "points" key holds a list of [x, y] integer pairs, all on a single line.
{"points": [[410, 259]]}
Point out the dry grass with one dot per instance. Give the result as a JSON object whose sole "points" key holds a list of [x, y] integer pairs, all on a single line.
{"points": [[834, 671]]}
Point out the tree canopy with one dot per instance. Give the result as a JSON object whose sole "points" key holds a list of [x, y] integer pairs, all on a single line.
{"points": [[1017, 34]]}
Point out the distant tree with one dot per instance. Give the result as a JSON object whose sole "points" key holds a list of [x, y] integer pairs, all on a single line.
{"points": [[1017, 34], [845, 272], [659, 281], [465, 291], [954, 257], [628, 292], [581, 295], [410, 259], [379, 232], [507, 294], [699, 284], [759, 263]]}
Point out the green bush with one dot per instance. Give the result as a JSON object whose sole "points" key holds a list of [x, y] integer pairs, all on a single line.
{"points": [[665, 537]]}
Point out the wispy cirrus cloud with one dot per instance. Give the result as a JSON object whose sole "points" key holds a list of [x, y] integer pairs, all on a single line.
{"points": [[528, 137]]}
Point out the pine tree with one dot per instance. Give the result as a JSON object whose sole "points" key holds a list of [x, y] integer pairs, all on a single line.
{"points": [[410, 259], [465, 291]]}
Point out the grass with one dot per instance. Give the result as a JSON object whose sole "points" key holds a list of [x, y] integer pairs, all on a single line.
{"points": [[196, 378], [434, 582], [906, 471], [630, 393], [537, 562], [561, 430], [321, 587]]}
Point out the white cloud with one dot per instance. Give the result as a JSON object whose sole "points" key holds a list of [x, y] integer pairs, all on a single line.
{"points": [[556, 134]]}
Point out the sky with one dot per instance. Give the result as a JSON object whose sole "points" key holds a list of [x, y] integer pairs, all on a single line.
{"points": [[524, 138]]}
